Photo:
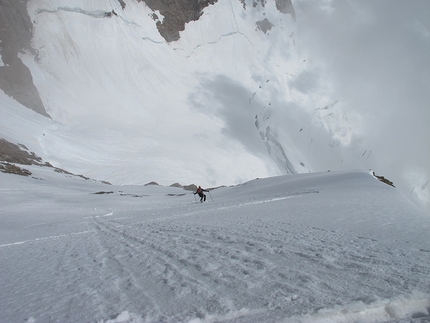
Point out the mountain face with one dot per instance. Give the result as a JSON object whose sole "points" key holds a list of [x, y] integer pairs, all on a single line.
{"points": [[15, 35], [218, 92]]}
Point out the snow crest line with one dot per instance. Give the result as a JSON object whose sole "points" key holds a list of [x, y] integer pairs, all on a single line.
{"points": [[258, 202], [271, 200], [46, 238]]}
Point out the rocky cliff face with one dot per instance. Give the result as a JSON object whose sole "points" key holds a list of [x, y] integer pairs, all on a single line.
{"points": [[176, 14], [15, 36], [286, 7]]}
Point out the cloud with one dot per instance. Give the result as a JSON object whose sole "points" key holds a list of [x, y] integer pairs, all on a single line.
{"points": [[375, 55], [228, 100]]}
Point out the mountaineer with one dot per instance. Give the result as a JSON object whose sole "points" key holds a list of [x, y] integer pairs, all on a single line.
{"points": [[201, 194]]}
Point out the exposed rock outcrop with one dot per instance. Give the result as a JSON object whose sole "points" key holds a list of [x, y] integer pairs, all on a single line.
{"points": [[176, 14], [264, 25], [12, 154], [383, 179], [19, 154], [15, 35], [285, 6]]}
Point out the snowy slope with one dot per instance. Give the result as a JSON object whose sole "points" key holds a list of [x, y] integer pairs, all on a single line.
{"points": [[323, 247], [229, 101]]}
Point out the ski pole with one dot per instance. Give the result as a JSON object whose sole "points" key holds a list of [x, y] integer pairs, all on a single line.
{"points": [[195, 198], [210, 196]]}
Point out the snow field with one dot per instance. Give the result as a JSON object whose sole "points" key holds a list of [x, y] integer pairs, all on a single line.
{"points": [[305, 248]]}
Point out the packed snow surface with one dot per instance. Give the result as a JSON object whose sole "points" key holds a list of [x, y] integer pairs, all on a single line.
{"points": [[324, 247]]}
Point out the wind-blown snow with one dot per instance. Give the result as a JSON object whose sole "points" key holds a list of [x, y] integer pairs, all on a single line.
{"points": [[325, 247]]}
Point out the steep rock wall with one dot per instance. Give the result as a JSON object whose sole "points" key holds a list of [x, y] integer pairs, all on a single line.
{"points": [[15, 37]]}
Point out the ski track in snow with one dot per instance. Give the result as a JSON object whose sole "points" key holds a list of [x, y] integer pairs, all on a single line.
{"points": [[228, 260]]}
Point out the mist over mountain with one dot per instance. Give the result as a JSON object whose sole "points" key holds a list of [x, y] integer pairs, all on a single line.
{"points": [[219, 92]]}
